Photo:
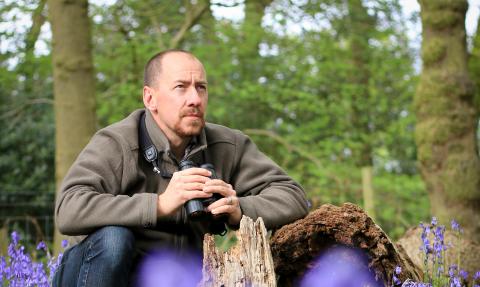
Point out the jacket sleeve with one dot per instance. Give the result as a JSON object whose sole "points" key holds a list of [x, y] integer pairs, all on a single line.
{"points": [[264, 189], [94, 193]]}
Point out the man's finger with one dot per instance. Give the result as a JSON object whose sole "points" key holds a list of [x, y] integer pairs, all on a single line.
{"points": [[226, 201], [195, 171], [194, 178]]}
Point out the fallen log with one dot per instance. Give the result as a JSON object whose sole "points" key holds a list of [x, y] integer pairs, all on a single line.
{"points": [[295, 246]]}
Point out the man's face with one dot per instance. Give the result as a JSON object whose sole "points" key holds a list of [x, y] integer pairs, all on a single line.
{"points": [[180, 93]]}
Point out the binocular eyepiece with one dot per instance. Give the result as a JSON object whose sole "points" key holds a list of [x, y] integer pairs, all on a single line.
{"points": [[197, 208]]}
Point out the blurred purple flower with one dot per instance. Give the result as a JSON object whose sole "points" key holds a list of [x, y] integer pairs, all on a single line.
{"points": [[42, 246], [3, 266], [340, 266], [451, 270], [476, 276], [426, 242], [177, 270], [434, 221], [15, 238], [396, 281], [463, 274], [456, 282], [398, 270], [455, 225], [64, 243]]}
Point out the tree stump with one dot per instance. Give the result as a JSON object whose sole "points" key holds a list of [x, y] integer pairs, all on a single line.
{"points": [[248, 263], [295, 246]]}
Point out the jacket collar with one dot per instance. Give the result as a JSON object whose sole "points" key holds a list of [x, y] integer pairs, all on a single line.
{"points": [[161, 142]]}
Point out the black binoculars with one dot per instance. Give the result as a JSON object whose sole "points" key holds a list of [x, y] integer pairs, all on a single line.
{"points": [[197, 208]]}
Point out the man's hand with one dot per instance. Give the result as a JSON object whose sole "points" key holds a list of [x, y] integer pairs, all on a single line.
{"points": [[183, 186], [229, 204]]}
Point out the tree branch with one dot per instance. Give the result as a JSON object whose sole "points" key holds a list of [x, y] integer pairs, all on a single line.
{"points": [[288, 146], [17, 110], [191, 18], [291, 148]]}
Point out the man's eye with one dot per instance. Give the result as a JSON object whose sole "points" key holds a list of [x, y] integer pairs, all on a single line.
{"points": [[179, 86], [202, 88]]}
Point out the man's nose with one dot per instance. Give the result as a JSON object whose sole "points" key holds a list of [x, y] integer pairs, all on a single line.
{"points": [[194, 98]]}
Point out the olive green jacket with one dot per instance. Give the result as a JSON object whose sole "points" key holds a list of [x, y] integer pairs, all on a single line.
{"points": [[111, 183]]}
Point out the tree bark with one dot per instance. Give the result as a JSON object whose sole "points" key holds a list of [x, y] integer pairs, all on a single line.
{"points": [[248, 263], [446, 127], [74, 86], [28, 67], [295, 246]]}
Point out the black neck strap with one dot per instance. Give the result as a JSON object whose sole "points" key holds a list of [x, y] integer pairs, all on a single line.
{"points": [[149, 150]]}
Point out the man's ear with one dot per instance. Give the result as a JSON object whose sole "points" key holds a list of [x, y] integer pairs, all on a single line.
{"points": [[149, 99]]}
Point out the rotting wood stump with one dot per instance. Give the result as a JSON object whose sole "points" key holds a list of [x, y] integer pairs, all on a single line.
{"points": [[248, 263], [295, 246]]}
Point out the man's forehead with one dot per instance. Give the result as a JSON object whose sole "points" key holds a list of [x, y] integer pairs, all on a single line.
{"points": [[181, 65]]}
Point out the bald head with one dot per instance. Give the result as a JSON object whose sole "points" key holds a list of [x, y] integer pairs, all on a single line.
{"points": [[153, 68]]}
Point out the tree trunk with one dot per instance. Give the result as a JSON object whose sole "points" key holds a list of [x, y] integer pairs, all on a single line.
{"points": [[474, 67], [248, 263], [446, 117], [74, 86], [252, 34], [28, 66], [361, 26], [368, 197], [295, 246]]}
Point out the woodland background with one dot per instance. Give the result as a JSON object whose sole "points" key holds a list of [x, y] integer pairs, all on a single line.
{"points": [[333, 91]]}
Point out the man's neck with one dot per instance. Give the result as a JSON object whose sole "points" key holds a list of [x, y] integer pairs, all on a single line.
{"points": [[178, 146]]}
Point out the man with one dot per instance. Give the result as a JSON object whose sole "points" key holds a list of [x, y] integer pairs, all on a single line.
{"points": [[118, 204]]}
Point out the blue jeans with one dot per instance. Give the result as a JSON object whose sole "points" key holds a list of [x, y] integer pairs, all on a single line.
{"points": [[104, 258]]}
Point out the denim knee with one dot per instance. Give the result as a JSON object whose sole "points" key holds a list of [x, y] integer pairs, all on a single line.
{"points": [[114, 244]]}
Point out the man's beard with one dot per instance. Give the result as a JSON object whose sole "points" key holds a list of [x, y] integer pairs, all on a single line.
{"points": [[194, 127]]}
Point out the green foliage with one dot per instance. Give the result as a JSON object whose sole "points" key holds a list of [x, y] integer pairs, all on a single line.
{"points": [[291, 77], [26, 112]]}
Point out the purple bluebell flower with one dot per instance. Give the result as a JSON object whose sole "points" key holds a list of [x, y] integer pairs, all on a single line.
{"points": [[426, 242], [398, 270], [64, 243], [340, 266], [42, 246], [451, 270], [463, 274], [18, 269], [455, 225], [3, 267], [179, 271], [456, 282], [396, 281], [434, 221], [15, 237], [477, 275]]}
